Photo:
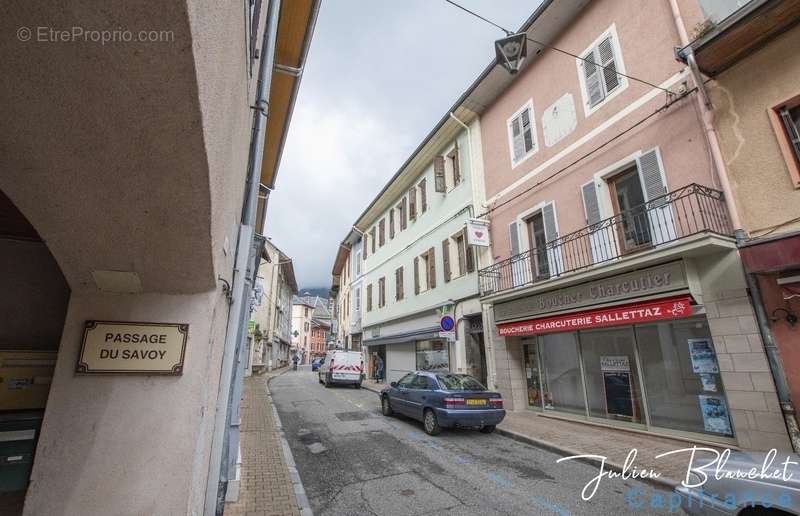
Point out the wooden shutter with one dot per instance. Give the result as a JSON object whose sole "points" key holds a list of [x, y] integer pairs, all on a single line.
{"points": [[412, 203], [364, 244], [398, 287], [382, 232], [369, 297], [403, 214], [456, 165], [431, 268], [446, 259], [470, 253], [651, 175], [391, 223], [372, 239], [382, 291], [438, 174], [605, 51], [513, 238], [423, 196], [416, 275], [591, 206], [591, 76]]}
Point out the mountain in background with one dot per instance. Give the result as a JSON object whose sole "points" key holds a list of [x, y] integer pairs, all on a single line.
{"points": [[315, 291]]}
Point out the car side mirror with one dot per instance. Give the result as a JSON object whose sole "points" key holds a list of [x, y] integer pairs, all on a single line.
{"points": [[393, 384]]}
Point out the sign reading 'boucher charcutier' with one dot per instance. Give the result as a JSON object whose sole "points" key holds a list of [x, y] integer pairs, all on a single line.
{"points": [[110, 347]]}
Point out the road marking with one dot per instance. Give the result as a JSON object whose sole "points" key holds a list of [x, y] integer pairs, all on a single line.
{"points": [[549, 505]]}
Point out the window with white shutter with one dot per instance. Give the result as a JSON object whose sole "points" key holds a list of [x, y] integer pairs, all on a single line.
{"points": [[598, 71], [522, 134]]}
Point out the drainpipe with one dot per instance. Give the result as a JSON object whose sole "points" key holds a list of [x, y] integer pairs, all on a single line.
{"points": [[243, 273], [773, 356]]}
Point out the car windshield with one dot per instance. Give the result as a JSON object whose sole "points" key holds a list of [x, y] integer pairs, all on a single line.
{"points": [[459, 382]]}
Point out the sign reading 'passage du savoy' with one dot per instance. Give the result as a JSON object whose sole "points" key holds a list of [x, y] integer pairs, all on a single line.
{"points": [[132, 348]]}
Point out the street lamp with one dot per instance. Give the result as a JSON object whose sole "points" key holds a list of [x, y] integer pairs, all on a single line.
{"points": [[511, 51]]}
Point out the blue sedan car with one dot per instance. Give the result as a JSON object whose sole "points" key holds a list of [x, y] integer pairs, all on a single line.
{"points": [[316, 363], [442, 400]]}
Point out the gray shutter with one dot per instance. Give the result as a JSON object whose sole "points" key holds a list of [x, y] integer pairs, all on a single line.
{"points": [[527, 132], [438, 173], [605, 50], [446, 259], [591, 75], [549, 216], [513, 238], [652, 180], [416, 275], [431, 268], [590, 204]]}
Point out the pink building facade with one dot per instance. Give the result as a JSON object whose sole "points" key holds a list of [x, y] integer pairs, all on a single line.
{"points": [[617, 295]]}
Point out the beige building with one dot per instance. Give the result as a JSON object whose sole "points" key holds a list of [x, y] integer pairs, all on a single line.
{"points": [[129, 186], [751, 56], [302, 313], [342, 295], [270, 335]]}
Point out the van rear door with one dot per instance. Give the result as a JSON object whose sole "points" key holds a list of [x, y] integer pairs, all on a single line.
{"points": [[346, 365]]}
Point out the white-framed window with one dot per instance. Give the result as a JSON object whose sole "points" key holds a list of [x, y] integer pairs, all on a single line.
{"points": [[599, 84], [522, 134]]}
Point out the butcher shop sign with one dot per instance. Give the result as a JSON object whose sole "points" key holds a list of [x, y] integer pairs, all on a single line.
{"points": [[132, 348]]}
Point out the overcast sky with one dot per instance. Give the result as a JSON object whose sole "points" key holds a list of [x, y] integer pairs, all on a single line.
{"points": [[380, 74]]}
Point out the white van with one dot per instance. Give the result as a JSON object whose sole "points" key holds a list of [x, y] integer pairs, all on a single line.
{"points": [[344, 367]]}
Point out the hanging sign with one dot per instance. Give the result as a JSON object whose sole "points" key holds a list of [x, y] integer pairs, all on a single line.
{"points": [[132, 348], [672, 308], [478, 232]]}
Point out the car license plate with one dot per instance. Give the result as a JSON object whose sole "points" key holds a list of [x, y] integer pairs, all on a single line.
{"points": [[476, 402]]}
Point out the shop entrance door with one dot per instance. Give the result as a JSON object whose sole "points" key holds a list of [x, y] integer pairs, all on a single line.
{"points": [[532, 379]]}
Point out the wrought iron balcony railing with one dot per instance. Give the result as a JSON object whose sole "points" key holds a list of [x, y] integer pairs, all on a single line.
{"points": [[679, 214]]}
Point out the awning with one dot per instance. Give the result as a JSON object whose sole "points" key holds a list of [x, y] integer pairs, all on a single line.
{"points": [[424, 334], [776, 254], [663, 309]]}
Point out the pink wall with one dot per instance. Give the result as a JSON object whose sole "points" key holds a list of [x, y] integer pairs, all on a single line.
{"points": [[646, 37]]}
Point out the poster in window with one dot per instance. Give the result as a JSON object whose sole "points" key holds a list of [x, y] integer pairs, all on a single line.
{"points": [[619, 394], [704, 360], [715, 415], [709, 382]]}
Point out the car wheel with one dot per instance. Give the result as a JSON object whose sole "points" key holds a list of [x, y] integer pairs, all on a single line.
{"points": [[386, 406], [431, 423], [487, 429], [358, 385]]}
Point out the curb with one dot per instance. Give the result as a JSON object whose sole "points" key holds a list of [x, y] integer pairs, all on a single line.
{"points": [[371, 388], [660, 482], [294, 475]]}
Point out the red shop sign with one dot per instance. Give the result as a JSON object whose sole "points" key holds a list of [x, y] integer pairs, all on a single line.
{"points": [[672, 308]]}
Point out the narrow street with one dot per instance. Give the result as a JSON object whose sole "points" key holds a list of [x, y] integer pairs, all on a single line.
{"points": [[353, 460]]}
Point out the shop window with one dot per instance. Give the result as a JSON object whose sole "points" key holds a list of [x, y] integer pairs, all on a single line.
{"points": [[612, 379], [682, 378], [562, 382], [432, 355]]}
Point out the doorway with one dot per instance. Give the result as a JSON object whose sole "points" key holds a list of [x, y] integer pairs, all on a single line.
{"points": [[628, 200], [34, 305]]}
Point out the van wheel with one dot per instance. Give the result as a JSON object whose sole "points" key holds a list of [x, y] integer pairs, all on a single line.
{"points": [[327, 381], [430, 423], [319, 378], [386, 407], [487, 429]]}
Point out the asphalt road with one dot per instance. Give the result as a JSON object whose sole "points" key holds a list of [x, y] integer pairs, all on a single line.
{"points": [[354, 461]]}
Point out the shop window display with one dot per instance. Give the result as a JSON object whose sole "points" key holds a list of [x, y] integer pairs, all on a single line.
{"points": [[432, 355], [562, 383]]}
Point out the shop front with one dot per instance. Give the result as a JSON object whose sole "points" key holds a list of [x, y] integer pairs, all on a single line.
{"points": [[637, 350]]}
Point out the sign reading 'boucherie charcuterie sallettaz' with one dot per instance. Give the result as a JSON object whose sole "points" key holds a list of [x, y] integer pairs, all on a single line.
{"points": [[664, 309], [116, 347]]}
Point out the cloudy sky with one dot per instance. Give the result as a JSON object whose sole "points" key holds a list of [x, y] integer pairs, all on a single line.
{"points": [[380, 74]]}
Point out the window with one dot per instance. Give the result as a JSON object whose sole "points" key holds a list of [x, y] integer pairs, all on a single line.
{"points": [[423, 197], [458, 257], [412, 203], [358, 263], [785, 120], [398, 284], [358, 299], [381, 232], [401, 209], [454, 166], [522, 134], [369, 297], [597, 71], [432, 355], [391, 223], [372, 239], [425, 271], [381, 292], [440, 183], [305, 311]]}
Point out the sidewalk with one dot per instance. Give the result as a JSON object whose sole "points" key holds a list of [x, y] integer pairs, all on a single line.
{"points": [[576, 438], [266, 483]]}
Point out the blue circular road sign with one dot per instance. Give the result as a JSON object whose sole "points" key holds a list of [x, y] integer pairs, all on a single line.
{"points": [[447, 323]]}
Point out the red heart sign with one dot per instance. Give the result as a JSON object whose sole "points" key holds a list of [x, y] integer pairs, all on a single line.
{"points": [[479, 234]]}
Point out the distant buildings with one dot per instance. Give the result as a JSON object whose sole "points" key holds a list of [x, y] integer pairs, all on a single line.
{"points": [[311, 326]]}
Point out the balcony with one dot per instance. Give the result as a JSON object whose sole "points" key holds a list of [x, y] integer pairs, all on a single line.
{"points": [[688, 211]]}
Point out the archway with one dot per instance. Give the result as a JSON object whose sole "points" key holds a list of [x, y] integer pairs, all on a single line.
{"points": [[33, 303]]}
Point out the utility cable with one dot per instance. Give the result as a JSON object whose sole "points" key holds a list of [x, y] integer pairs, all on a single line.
{"points": [[551, 47]]}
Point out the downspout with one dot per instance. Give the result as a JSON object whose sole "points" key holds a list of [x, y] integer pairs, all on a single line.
{"points": [[773, 356], [241, 284]]}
